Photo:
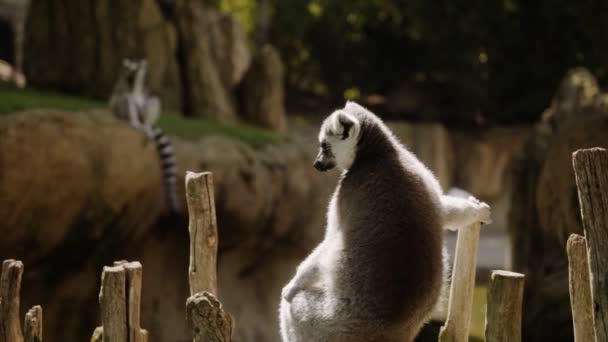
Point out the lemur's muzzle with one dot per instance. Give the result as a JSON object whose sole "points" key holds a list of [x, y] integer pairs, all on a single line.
{"points": [[323, 164]]}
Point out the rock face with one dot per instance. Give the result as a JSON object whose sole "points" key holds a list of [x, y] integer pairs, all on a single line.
{"points": [[262, 90], [80, 190], [544, 206], [85, 43], [196, 55], [211, 68]]}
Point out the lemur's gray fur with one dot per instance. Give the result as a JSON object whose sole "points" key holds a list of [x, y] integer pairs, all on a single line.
{"points": [[378, 273], [131, 102]]}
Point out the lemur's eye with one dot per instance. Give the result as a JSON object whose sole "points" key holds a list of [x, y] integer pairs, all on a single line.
{"points": [[324, 146]]}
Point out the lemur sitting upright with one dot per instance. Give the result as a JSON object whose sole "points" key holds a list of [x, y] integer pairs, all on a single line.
{"points": [[378, 273], [131, 102]]}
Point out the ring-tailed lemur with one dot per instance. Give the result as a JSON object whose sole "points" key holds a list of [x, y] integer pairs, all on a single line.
{"points": [[131, 102], [378, 273]]}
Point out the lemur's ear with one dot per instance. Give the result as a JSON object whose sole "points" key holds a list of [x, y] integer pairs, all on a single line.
{"points": [[350, 125]]}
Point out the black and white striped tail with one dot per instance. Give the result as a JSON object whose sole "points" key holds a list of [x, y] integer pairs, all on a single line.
{"points": [[168, 165]]}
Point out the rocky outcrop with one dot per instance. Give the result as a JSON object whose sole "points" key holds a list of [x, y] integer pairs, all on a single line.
{"points": [[196, 55], [213, 60], [544, 205], [262, 90], [80, 190], [84, 44]]}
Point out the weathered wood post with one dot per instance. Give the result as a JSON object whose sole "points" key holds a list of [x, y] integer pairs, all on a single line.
{"points": [[113, 302], [503, 316], [32, 327], [591, 171], [10, 288], [456, 328], [209, 322], [580, 289], [120, 300]]}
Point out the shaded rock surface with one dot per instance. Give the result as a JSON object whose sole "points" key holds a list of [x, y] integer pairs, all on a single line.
{"points": [[80, 190], [212, 59], [84, 44], [196, 55], [544, 205], [262, 90]]}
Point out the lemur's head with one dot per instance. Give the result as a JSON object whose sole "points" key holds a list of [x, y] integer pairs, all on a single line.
{"points": [[338, 138], [133, 69]]}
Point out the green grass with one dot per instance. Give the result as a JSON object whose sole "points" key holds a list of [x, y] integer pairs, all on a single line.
{"points": [[14, 100], [174, 124]]}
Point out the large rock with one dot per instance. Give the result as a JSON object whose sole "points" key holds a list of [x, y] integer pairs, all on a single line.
{"points": [[84, 44], [544, 206], [80, 190], [262, 92], [214, 59]]}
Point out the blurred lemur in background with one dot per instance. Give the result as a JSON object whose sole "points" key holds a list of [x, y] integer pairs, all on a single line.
{"points": [[131, 102], [378, 273]]}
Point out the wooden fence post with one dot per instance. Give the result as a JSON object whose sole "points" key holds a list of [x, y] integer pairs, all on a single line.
{"points": [[10, 288], [503, 315], [202, 226], [120, 301], [591, 171], [32, 326], [580, 289], [112, 299], [209, 322], [456, 328]]}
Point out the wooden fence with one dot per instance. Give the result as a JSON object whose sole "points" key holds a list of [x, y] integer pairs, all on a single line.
{"points": [[120, 293]]}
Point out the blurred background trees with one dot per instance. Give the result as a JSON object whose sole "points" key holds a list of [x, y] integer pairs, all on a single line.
{"points": [[498, 59]]}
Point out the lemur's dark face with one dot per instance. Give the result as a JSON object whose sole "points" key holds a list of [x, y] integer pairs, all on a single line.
{"points": [[325, 160], [132, 69]]}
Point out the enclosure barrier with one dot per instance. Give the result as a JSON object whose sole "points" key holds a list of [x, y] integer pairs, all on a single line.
{"points": [[10, 288], [503, 314], [580, 290], [456, 328], [206, 317], [505, 296], [591, 173]]}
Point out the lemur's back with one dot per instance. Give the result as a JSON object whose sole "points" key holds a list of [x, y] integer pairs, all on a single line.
{"points": [[392, 243]]}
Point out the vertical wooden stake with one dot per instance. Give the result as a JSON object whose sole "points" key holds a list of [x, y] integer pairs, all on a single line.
{"points": [[580, 289], [591, 171], [456, 328], [206, 317], [202, 226], [10, 288], [503, 316], [134, 272], [32, 327], [112, 299]]}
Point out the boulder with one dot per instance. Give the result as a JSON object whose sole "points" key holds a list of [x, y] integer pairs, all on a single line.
{"points": [[544, 204], [262, 93], [213, 60], [84, 44], [80, 190]]}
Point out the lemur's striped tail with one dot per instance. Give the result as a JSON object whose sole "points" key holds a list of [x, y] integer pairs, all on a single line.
{"points": [[166, 154]]}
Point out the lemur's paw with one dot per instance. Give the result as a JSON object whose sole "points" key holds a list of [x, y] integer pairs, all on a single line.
{"points": [[483, 210]]}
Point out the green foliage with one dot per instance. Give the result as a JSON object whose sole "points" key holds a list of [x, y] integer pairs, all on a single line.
{"points": [[501, 58], [12, 100]]}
